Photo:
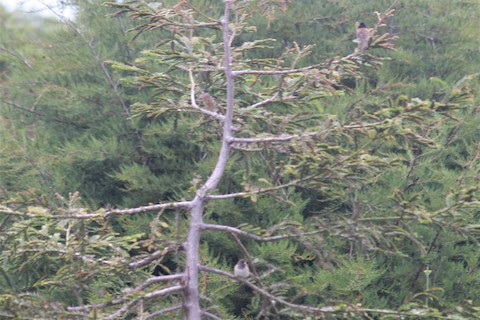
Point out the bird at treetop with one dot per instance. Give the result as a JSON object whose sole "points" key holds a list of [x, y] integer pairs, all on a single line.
{"points": [[363, 36], [241, 269]]}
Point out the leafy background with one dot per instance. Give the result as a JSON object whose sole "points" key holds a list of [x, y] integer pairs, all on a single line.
{"points": [[87, 123]]}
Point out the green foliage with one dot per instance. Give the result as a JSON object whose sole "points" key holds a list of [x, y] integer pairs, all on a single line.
{"points": [[377, 193]]}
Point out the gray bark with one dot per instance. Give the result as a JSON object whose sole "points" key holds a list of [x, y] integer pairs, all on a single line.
{"points": [[191, 295]]}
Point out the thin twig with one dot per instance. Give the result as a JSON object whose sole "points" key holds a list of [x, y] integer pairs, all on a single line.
{"points": [[151, 295], [260, 190], [261, 103], [209, 315], [163, 311], [274, 72], [17, 55], [253, 236], [152, 257], [281, 138], [16, 105]]}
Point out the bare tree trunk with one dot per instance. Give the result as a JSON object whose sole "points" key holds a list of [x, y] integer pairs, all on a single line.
{"points": [[192, 297], [191, 301]]}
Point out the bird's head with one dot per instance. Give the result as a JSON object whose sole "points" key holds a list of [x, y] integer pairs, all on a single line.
{"points": [[362, 25]]}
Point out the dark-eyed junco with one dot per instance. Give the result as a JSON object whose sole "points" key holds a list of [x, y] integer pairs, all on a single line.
{"points": [[241, 269]]}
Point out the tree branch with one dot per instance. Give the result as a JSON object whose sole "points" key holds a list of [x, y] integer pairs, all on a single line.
{"points": [[191, 302], [286, 137], [165, 278], [263, 102], [65, 252], [264, 293], [194, 104], [16, 105], [124, 299], [170, 205], [160, 312], [151, 295], [281, 138], [260, 190], [95, 55], [152, 257], [18, 56], [362, 125], [209, 315], [163, 292], [115, 212], [253, 236], [274, 72], [131, 211], [223, 157], [8, 211], [307, 309]]}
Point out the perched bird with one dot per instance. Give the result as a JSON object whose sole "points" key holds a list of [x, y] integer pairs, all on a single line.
{"points": [[241, 269], [363, 36]]}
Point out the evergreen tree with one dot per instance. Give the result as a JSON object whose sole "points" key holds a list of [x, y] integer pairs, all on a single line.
{"points": [[347, 201]]}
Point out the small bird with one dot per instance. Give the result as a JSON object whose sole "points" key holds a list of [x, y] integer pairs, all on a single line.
{"points": [[363, 36], [241, 269]]}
